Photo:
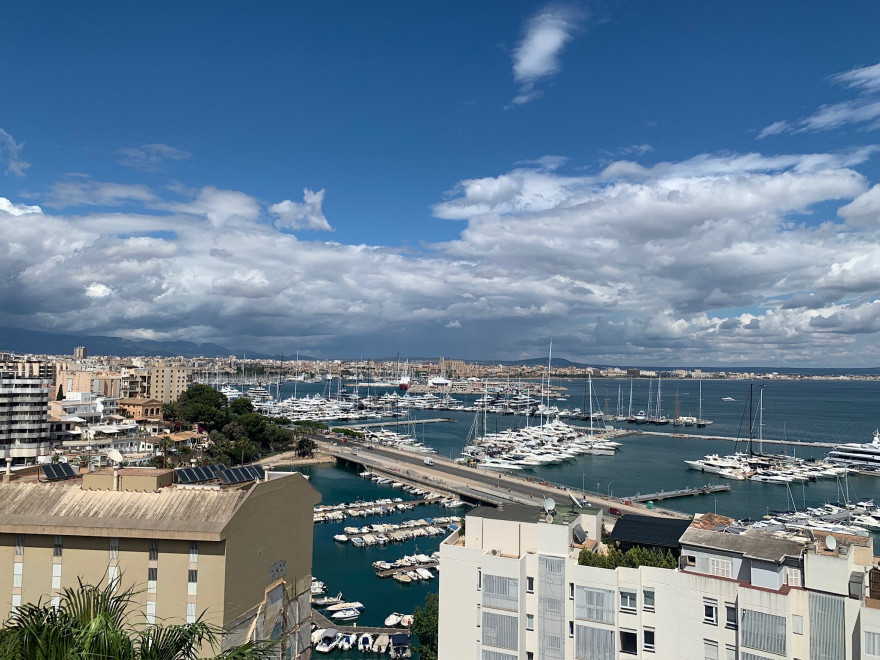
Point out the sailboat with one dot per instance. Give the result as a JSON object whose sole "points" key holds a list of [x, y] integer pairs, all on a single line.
{"points": [[701, 423]]}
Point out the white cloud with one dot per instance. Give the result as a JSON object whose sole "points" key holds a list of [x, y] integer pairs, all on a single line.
{"points": [[10, 154], [83, 191], [308, 215], [714, 259], [151, 157], [865, 109], [546, 34]]}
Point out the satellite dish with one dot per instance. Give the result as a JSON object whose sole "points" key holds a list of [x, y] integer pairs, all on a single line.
{"points": [[573, 499], [549, 519], [830, 542], [549, 505], [114, 455]]}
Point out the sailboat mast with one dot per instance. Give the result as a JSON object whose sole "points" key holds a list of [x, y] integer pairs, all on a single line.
{"points": [[751, 453]]}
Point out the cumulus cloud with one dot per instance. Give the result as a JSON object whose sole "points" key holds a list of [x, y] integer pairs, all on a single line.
{"points": [[307, 215], [537, 57], [151, 157], [720, 258], [10, 154], [865, 109]]}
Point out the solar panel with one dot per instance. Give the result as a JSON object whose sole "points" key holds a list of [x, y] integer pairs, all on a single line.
{"points": [[238, 475], [57, 471], [183, 476], [579, 534]]}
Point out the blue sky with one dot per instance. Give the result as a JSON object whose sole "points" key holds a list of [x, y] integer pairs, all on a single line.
{"points": [[647, 183]]}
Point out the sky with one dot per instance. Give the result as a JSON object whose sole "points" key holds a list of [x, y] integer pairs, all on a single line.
{"points": [[644, 183]]}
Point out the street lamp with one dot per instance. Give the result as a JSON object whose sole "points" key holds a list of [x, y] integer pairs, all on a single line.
{"points": [[609, 490]]}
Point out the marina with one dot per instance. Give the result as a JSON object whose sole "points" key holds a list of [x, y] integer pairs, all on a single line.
{"points": [[682, 492]]}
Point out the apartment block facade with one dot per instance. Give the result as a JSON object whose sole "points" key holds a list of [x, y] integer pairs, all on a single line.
{"points": [[512, 589], [24, 417], [240, 556]]}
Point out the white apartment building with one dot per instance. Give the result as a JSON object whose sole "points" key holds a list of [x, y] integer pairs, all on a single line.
{"points": [[24, 417], [511, 588]]}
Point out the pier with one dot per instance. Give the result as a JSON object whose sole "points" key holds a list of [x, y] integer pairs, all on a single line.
{"points": [[681, 492], [323, 622], [389, 572], [403, 422], [797, 443]]}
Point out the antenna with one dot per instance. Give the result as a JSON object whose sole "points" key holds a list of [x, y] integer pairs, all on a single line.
{"points": [[830, 542], [574, 500]]}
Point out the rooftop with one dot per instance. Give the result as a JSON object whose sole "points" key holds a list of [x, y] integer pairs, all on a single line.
{"points": [[564, 513], [753, 543]]}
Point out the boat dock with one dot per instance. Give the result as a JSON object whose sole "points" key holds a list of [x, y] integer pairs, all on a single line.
{"points": [[323, 622], [389, 572], [797, 443], [386, 424], [682, 492]]}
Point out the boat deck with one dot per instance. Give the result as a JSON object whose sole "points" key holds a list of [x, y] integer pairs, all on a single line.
{"points": [[388, 572]]}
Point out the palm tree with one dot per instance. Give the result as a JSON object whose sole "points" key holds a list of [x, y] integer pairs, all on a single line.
{"points": [[94, 623]]}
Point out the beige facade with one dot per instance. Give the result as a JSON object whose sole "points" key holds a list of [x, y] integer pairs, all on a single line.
{"points": [[240, 554], [167, 382], [511, 588], [141, 409]]}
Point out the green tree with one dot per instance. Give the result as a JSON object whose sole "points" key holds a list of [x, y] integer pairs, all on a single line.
{"points": [[241, 406], [60, 395], [200, 404], [424, 625], [305, 447], [632, 558], [166, 444], [96, 623]]}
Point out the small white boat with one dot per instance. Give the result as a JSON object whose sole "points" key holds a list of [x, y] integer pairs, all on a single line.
{"points": [[348, 641], [393, 619], [329, 640], [317, 634], [381, 644], [406, 620], [354, 605], [348, 614], [326, 601], [425, 574], [399, 646], [342, 538], [365, 643], [403, 578]]}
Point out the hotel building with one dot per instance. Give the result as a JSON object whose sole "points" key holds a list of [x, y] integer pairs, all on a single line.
{"points": [[511, 588]]}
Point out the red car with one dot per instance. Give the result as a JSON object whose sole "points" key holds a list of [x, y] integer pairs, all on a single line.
{"points": [[614, 511]]}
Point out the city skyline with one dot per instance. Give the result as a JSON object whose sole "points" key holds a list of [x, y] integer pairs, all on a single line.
{"points": [[662, 185]]}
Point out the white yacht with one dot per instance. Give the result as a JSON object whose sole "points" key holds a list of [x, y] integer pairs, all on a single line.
{"points": [[858, 455]]}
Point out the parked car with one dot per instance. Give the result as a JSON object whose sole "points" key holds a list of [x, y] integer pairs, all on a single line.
{"points": [[614, 511]]}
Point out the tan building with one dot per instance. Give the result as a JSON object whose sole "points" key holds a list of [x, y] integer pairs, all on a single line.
{"points": [[240, 554], [167, 382], [141, 409], [24, 418]]}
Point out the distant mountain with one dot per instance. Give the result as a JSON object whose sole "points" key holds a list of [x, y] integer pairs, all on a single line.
{"points": [[32, 341]]}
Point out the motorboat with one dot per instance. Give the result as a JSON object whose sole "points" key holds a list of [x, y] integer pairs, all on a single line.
{"points": [[403, 578], [342, 538], [326, 601], [329, 640], [399, 646], [381, 644], [354, 605], [425, 574], [858, 455], [393, 619], [348, 614], [365, 643], [317, 634], [406, 620], [348, 642], [318, 587]]}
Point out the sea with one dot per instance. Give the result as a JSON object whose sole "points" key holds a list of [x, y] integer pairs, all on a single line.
{"points": [[810, 411]]}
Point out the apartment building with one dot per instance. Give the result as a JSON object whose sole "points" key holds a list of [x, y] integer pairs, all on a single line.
{"points": [[240, 554], [24, 417], [511, 588], [168, 381]]}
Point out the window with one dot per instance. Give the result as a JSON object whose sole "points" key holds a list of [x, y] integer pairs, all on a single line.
{"points": [[530, 621], [628, 601], [571, 628], [58, 546], [191, 611], [56, 576], [154, 549], [479, 579], [530, 655], [530, 585], [710, 649], [501, 592], [710, 612], [594, 604], [151, 612], [112, 575], [648, 599], [872, 643], [55, 601], [153, 574], [763, 632], [797, 624], [192, 582], [648, 637], [114, 548], [629, 642], [720, 567], [193, 576], [500, 630], [793, 577], [16, 602], [731, 653], [19, 544], [16, 574], [571, 590], [730, 621], [689, 560], [193, 551]]}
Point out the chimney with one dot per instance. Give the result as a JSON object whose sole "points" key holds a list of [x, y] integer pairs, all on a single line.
{"points": [[115, 477]]}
